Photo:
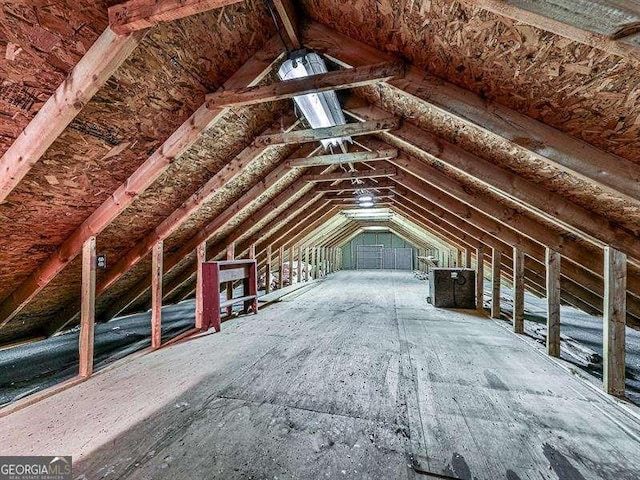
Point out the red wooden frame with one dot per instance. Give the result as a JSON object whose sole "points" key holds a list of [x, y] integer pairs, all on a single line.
{"points": [[217, 274]]}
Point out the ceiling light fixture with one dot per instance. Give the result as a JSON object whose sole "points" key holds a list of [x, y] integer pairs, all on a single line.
{"points": [[320, 109], [366, 204], [365, 198]]}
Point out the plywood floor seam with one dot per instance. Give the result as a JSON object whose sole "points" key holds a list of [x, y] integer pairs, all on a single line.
{"points": [[357, 377]]}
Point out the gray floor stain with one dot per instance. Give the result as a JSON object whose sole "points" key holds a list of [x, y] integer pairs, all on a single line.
{"points": [[561, 464], [511, 475], [494, 381], [458, 468]]}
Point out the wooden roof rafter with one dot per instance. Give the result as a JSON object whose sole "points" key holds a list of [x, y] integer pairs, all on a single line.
{"points": [[253, 71], [93, 70], [134, 15], [610, 172], [552, 206]]}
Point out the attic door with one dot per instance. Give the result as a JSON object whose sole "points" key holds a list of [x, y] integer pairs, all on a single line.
{"points": [[397, 258]]}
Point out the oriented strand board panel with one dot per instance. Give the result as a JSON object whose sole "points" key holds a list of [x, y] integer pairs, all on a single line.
{"points": [[578, 89]]}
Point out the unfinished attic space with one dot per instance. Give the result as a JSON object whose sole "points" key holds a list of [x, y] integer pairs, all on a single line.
{"points": [[320, 239]]}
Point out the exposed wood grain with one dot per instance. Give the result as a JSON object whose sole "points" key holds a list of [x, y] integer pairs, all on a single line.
{"points": [[518, 290], [156, 294], [331, 177], [480, 278], [350, 187], [322, 82], [317, 134], [343, 158], [251, 72], [613, 173], [88, 307], [557, 208], [496, 262], [289, 18], [552, 260], [615, 285], [135, 15], [201, 257], [597, 24], [88, 76]]}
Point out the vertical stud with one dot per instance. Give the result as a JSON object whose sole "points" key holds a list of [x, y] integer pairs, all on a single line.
{"points": [[299, 263], [88, 307], [614, 320], [496, 265], [267, 271], [156, 294], [201, 257], [552, 260], [252, 251], [281, 267], [518, 290], [480, 278]]}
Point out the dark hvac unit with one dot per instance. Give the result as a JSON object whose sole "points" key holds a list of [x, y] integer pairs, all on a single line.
{"points": [[452, 288]]}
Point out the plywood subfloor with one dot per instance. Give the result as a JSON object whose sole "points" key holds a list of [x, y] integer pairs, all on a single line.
{"points": [[355, 378]]}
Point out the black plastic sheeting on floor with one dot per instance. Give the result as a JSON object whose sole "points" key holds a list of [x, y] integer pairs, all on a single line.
{"points": [[29, 368]]}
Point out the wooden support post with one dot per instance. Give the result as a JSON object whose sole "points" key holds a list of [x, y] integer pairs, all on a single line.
{"points": [[156, 295], [252, 251], [518, 290], [88, 307], [496, 261], [281, 267], [291, 265], [552, 259], [299, 263], [267, 271], [459, 259], [480, 277], [231, 255], [307, 264], [467, 258], [201, 257], [314, 262], [615, 286]]}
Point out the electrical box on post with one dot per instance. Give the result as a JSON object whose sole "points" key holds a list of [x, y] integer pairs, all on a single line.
{"points": [[452, 288]]}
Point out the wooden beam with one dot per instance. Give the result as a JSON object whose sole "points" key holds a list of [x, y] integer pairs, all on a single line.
{"points": [[322, 82], [252, 251], [281, 267], [614, 174], [541, 201], [201, 257], [552, 263], [518, 290], [92, 71], [156, 295], [581, 270], [615, 285], [350, 187], [231, 251], [467, 258], [88, 307], [496, 263], [299, 248], [356, 174], [286, 12], [480, 278], [343, 158], [267, 271], [135, 15], [251, 72], [597, 24], [317, 134]]}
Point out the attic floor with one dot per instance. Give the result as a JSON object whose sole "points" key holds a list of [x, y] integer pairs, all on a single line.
{"points": [[355, 378]]}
